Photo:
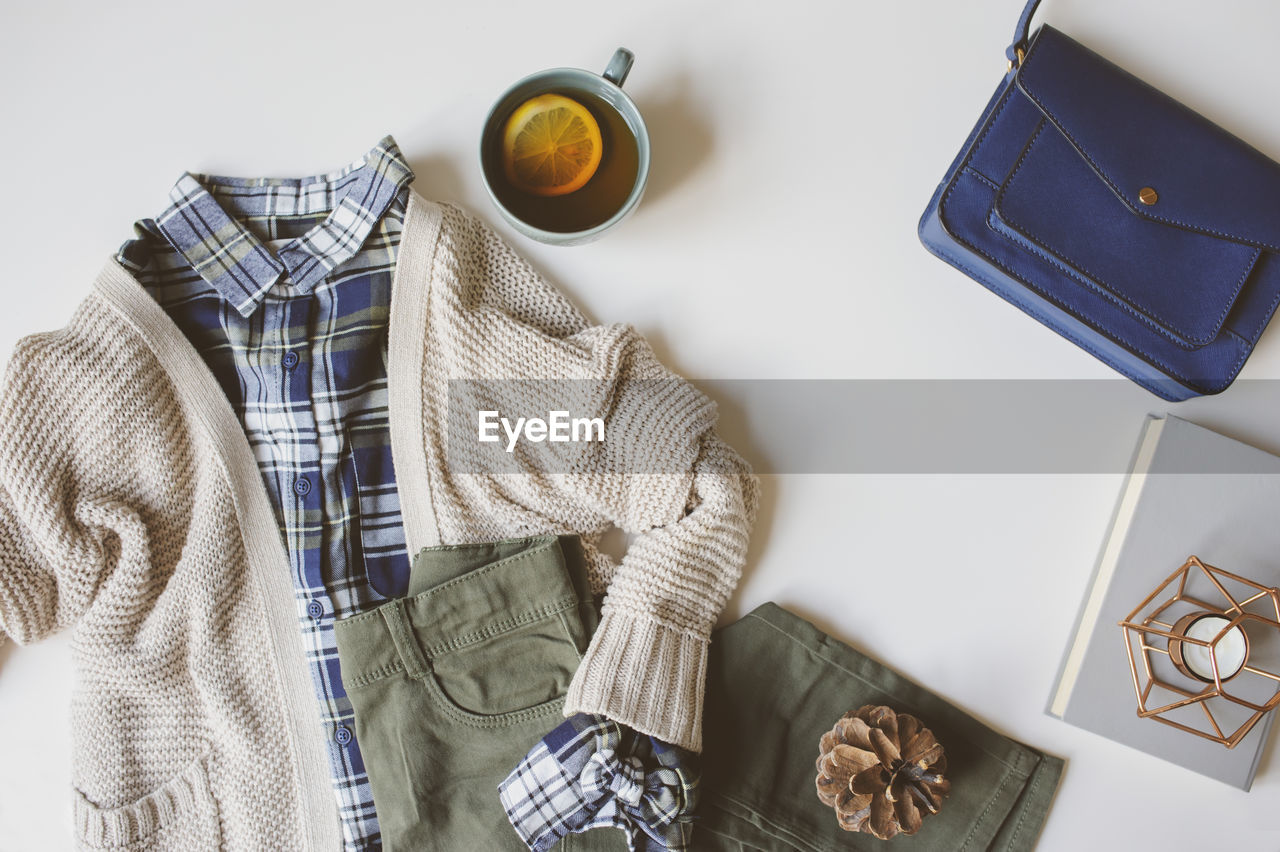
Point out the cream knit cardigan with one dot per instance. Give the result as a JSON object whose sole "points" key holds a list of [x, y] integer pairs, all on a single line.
{"points": [[132, 511]]}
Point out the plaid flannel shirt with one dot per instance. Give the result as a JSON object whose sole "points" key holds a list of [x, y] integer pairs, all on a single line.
{"points": [[283, 286], [591, 772]]}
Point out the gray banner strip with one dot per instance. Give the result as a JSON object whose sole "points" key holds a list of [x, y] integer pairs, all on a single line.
{"points": [[874, 426]]}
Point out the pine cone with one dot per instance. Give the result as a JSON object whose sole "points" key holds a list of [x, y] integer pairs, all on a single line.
{"points": [[882, 772]]}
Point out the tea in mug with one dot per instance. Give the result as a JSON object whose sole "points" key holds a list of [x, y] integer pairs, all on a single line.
{"points": [[580, 209]]}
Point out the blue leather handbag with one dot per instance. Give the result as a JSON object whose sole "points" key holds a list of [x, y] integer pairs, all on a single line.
{"points": [[1120, 218]]}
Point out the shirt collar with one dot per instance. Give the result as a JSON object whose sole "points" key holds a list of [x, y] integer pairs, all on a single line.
{"points": [[238, 264]]}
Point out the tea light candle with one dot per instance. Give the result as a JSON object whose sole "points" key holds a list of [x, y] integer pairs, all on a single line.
{"points": [[1231, 650]]}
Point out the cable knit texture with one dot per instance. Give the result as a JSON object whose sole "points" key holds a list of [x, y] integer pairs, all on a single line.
{"points": [[131, 511]]}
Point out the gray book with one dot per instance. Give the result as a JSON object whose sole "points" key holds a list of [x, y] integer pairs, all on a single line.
{"points": [[1190, 491]]}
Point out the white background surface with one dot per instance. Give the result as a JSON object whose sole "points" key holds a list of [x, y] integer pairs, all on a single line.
{"points": [[794, 146]]}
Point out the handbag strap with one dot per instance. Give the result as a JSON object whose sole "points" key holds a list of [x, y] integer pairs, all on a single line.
{"points": [[1021, 34]]}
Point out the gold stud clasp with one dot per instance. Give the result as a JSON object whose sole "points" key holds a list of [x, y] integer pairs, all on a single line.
{"points": [[1148, 196]]}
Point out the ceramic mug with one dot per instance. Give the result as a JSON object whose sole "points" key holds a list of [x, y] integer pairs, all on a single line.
{"points": [[612, 193]]}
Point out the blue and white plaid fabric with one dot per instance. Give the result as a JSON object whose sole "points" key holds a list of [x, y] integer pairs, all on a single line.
{"points": [[591, 772], [284, 287]]}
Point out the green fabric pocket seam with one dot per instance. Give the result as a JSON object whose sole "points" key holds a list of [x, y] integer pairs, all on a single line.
{"points": [[779, 829], [497, 628], [1036, 778], [482, 720], [797, 832], [476, 574], [374, 676], [492, 631], [991, 803], [1023, 750]]}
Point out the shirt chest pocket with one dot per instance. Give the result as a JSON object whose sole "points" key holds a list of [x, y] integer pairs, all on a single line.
{"points": [[371, 503]]}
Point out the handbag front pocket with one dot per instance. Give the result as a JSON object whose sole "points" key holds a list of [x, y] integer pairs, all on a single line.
{"points": [[180, 814], [1180, 282]]}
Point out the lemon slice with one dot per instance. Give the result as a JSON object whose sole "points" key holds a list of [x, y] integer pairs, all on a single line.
{"points": [[551, 146]]}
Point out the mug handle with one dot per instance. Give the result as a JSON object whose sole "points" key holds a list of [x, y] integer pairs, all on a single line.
{"points": [[619, 66]]}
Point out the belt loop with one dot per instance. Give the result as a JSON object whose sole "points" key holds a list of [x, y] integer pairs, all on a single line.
{"points": [[411, 655]]}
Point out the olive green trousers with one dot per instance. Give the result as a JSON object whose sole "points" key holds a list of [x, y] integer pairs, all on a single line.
{"points": [[454, 683], [776, 684]]}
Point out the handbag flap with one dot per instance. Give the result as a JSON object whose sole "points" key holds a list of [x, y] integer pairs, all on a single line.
{"points": [[1135, 137]]}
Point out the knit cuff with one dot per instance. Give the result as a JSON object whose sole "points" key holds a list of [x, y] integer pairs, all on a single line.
{"points": [[645, 675]]}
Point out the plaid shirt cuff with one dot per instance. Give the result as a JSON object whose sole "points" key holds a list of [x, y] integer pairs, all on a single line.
{"points": [[591, 772]]}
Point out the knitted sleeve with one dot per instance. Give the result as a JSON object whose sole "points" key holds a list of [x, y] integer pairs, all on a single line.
{"points": [[661, 473], [47, 576], [689, 501], [69, 405]]}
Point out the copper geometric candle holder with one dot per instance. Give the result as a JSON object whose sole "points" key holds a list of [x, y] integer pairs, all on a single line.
{"points": [[1204, 652]]}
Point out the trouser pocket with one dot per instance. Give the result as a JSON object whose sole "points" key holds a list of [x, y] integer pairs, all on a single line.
{"points": [[509, 670], [454, 684]]}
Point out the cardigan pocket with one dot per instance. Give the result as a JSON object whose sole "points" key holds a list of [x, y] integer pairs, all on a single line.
{"points": [[181, 815]]}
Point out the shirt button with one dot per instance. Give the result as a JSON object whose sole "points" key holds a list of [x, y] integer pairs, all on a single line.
{"points": [[315, 609], [290, 360], [343, 735], [302, 485]]}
